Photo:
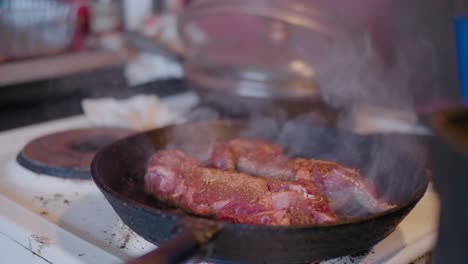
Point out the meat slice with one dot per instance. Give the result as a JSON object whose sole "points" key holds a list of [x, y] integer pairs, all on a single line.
{"points": [[349, 195], [347, 192], [177, 179], [250, 156]]}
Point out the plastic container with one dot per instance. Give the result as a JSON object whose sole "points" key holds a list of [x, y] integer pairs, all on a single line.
{"points": [[35, 27]]}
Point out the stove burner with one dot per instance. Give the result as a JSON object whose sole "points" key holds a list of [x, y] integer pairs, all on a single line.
{"points": [[68, 154], [91, 144]]}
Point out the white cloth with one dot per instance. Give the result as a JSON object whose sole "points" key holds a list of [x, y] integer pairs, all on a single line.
{"points": [[141, 112], [148, 67]]}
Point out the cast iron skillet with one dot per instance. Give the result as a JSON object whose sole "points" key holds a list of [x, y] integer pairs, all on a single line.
{"points": [[118, 171]]}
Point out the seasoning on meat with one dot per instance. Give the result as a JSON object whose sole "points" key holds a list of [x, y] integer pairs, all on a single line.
{"points": [[348, 193], [175, 178]]}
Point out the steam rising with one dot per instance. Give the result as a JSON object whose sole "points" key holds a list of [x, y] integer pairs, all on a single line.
{"points": [[394, 163], [353, 74]]}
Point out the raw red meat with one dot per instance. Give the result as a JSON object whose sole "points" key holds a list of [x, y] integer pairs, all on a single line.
{"points": [[347, 192], [175, 178], [252, 157]]}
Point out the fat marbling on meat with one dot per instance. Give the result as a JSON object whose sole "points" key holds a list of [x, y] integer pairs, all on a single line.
{"points": [[175, 178], [349, 194]]}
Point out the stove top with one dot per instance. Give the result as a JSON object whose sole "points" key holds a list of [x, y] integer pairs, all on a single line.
{"points": [[69, 153], [63, 220]]}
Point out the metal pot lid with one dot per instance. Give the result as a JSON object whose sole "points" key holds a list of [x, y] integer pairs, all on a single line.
{"points": [[263, 48]]}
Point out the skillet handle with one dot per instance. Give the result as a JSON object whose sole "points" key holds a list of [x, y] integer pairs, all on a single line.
{"points": [[192, 242], [178, 250]]}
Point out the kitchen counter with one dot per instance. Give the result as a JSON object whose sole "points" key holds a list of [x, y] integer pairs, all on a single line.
{"points": [[40, 101]]}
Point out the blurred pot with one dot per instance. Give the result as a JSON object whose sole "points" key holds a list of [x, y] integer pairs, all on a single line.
{"points": [[246, 57], [231, 99]]}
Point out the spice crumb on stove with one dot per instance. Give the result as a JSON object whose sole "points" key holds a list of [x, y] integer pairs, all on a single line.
{"points": [[66, 201], [125, 241], [41, 241], [81, 254], [44, 213]]}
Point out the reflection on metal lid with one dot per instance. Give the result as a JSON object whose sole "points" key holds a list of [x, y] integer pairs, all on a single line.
{"points": [[301, 68]]}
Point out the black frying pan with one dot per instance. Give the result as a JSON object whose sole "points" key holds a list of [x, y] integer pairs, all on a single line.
{"points": [[118, 171]]}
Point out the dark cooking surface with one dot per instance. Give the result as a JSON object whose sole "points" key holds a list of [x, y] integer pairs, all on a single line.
{"points": [[35, 102], [119, 168], [68, 154]]}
